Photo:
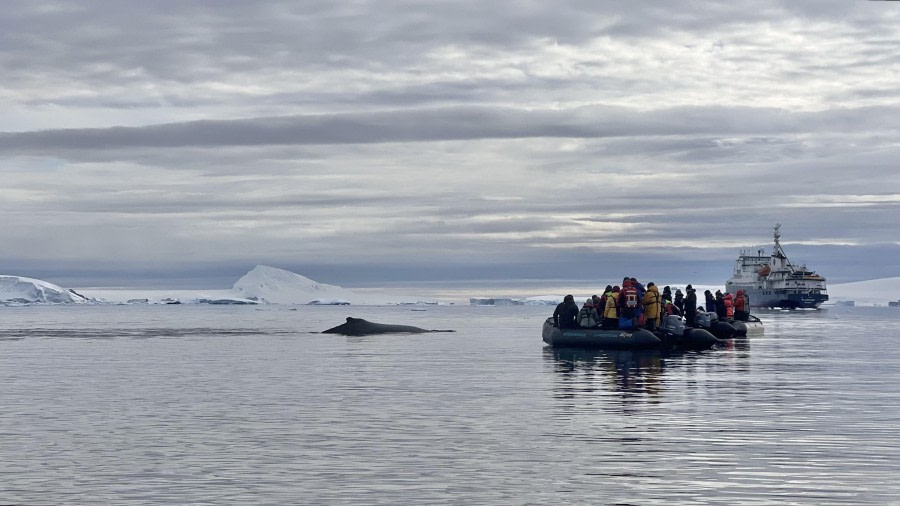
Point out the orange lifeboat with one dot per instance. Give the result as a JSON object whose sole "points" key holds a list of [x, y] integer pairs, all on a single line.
{"points": [[764, 270]]}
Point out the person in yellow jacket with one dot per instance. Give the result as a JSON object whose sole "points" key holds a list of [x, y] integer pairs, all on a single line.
{"points": [[611, 311], [651, 305]]}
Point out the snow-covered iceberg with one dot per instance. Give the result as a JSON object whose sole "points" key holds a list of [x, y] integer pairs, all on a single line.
{"points": [[15, 290], [874, 292], [225, 301], [494, 301], [261, 285], [279, 286], [328, 302]]}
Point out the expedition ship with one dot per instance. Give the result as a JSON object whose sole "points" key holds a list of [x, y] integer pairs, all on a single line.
{"points": [[772, 281]]}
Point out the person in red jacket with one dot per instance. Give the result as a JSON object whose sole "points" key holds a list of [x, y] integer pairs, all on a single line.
{"points": [[729, 306], [741, 307]]}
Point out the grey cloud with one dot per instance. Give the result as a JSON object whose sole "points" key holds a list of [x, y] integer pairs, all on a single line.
{"points": [[456, 123], [403, 140]]}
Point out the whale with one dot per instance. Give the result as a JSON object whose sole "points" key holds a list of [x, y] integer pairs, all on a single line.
{"points": [[360, 327]]}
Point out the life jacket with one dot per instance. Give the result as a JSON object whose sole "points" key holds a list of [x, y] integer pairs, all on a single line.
{"points": [[630, 300], [729, 306], [586, 317]]}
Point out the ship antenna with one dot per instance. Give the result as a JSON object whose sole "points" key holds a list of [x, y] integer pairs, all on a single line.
{"points": [[778, 245]]}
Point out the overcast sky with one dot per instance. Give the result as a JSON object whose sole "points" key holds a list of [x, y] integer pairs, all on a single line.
{"points": [[361, 142]]}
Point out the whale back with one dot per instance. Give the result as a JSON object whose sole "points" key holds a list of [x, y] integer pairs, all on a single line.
{"points": [[361, 327]]}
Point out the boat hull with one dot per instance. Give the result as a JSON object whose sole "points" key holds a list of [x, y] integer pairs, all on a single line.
{"points": [[598, 338], [754, 328]]}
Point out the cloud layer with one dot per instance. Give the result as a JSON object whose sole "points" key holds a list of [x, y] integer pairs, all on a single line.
{"points": [[373, 141]]}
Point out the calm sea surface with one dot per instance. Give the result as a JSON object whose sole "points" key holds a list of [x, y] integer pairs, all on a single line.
{"points": [[251, 405]]}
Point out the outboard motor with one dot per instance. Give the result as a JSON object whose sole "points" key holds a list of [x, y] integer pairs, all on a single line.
{"points": [[703, 320], [673, 325], [720, 329], [672, 329], [740, 328], [692, 338]]}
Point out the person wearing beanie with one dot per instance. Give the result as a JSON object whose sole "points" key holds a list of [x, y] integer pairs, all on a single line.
{"points": [[588, 317], [611, 310], [601, 307], [690, 306], [720, 305], [651, 306], [566, 314], [710, 301]]}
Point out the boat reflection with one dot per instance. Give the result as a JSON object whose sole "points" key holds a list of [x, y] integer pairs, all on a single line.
{"points": [[631, 372], [636, 373]]}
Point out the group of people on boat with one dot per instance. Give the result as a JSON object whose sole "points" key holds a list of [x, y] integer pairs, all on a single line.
{"points": [[728, 306], [633, 305]]}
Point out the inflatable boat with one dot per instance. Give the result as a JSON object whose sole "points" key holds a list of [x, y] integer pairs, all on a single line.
{"points": [[672, 334]]}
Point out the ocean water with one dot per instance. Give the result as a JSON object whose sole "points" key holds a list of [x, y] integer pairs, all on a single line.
{"points": [[251, 405]]}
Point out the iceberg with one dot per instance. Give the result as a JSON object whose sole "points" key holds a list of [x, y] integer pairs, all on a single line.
{"points": [[536, 300], [279, 286], [873, 292], [18, 290], [328, 302], [494, 301], [225, 301], [543, 300], [261, 285]]}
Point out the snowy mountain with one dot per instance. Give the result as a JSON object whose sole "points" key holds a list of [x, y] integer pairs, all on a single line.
{"points": [[15, 290]]}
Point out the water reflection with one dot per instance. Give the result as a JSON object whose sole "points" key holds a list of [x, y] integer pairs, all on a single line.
{"points": [[637, 373], [631, 372], [739, 347]]}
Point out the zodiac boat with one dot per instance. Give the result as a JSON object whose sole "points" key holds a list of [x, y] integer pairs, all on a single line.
{"points": [[673, 334]]}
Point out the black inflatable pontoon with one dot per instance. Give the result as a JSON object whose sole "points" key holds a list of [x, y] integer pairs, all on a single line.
{"points": [[598, 338], [729, 329], [673, 334]]}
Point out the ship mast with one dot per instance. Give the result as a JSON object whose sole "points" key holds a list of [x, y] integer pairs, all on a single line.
{"points": [[778, 236], [777, 251]]}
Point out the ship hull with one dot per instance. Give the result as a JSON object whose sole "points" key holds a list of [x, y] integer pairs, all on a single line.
{"points": [[780, 298]]}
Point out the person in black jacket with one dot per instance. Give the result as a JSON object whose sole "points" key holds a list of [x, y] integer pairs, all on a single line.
{"points": [[666, 293], [720, 305], [710, 301], [690, 306], [679, 301], [566, 314]]}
